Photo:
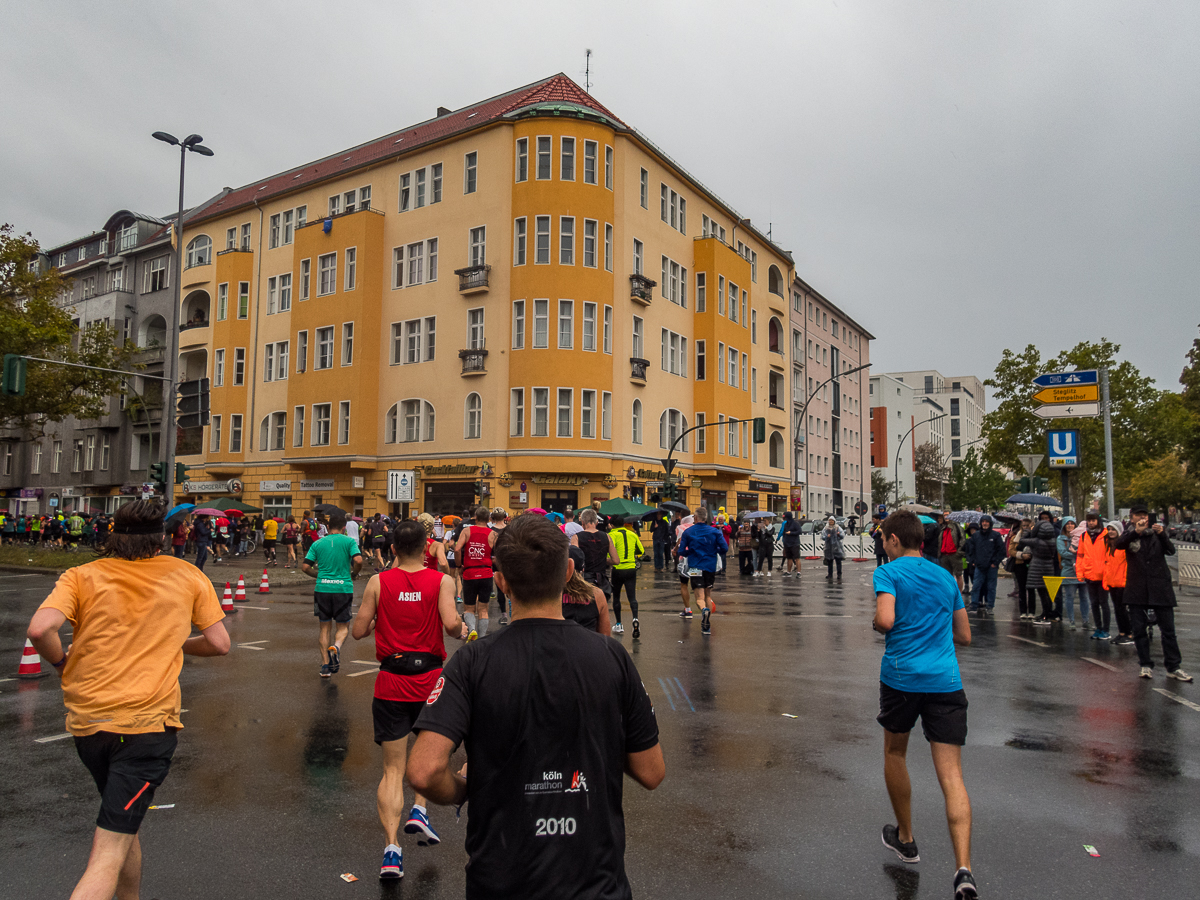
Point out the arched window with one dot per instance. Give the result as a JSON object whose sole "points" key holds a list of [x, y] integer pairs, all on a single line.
{"points": [[774, 335], [153, 332], [474, 411], [671, 424], [775, 281], [264, 432], [409, 421], [199, 251], [637, 421], [776, 450]]}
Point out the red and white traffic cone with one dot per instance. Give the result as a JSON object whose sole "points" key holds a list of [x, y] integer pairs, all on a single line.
{"points": [[31, 663], [265, 586], [227, 599], [240, 594]]}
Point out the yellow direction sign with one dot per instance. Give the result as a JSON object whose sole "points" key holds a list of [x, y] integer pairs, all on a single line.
{"points": [[1075, 393]]}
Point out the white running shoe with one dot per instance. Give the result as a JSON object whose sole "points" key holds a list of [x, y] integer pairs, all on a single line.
{"points": [[1179, 675], [1146, 672]]}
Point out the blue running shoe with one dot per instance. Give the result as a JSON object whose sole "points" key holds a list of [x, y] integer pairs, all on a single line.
{"points": [[418, 823], [393, 863]]}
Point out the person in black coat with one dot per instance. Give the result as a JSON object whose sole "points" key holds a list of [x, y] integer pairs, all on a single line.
{"points": [[986, 551], [1148, 585], [1045, 551]]}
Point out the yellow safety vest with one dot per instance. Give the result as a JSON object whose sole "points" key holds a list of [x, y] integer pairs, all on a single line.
{"points": [[629, 548]]}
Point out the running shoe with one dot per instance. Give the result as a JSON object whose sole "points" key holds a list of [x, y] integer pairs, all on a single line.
{"points": [[1123, 639], [1146, 672], [1104, 636], [393, 863], [1180, 675], [473, 636], [1043, 622], [335, 660], [906, 851], [1096, 634], [686, 614], [618, 628], [964, 885], [637, 630], [503, 619], [705, 626], [418, 823], [325, 673]]}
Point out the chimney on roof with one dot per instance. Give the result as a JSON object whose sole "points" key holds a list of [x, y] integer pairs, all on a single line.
{"points": [[442, 111]]}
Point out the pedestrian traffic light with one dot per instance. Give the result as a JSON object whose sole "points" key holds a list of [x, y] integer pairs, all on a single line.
{"points": [[158, 476], [760, 430], [1039, 485], [479, 489], [180, 473], [14, 375], [193, 403]]}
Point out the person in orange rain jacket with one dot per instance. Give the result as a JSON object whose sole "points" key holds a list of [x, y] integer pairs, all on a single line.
{"points": [[1089, 569], [1114, 582]]}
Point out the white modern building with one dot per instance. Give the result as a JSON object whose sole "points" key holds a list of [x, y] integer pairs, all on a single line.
{"points": [[959, 400], [893, 421]]}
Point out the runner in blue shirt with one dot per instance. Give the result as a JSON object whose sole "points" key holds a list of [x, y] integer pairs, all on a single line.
{"points": [[919, 608]]}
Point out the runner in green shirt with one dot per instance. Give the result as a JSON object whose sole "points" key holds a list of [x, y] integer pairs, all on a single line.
{"points": [[334, 561]]}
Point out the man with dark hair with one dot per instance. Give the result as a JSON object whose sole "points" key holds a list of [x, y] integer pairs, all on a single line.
{"points": [[985, 551], [1148, 586], [701, 544], [334, 561], [132, 614], [474, 552], [920, 610], [407, 607], [551, 715]]}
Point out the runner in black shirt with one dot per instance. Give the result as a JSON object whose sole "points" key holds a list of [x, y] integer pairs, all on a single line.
{"points": [[551, 716]]}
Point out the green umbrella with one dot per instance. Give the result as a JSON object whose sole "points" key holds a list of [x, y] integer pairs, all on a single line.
{"points": [[622, 507], [226, 503]]}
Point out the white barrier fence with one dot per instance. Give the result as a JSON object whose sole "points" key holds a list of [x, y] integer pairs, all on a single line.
{"points": [[855, 546], [1189, 565]]}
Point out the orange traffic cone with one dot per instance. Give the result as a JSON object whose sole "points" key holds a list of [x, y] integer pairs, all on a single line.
{"points": [[227, 599], [240, 594], [31, 663], [265, 587]]}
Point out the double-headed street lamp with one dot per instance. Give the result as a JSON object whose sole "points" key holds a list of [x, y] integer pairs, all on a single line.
{"points": [[193, 143], [896, 466]]}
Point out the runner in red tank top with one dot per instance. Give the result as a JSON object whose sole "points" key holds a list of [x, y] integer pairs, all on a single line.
{"points": [[407, 607], [435, 551], [474, 552]]}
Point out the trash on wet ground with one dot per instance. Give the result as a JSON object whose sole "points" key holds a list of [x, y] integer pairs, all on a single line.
{"points": [[1091, 851], [346, 876], [163, 806], [789, 716]]}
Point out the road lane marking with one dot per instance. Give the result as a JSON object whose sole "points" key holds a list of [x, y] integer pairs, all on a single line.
{"points": [[365, 662], [249, 643], [1103, 665], [1028, 641], [251, 607], [685, 696], [363, 672], [1188, 703], [663, 684], [53, 737], [250, 647]]}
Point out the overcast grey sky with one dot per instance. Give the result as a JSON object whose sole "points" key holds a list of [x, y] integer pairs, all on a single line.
{"points": [[960, 177]]}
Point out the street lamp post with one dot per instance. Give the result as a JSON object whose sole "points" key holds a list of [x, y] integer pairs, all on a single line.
{"points": [[193, 143], [803, 428], [896, 466]]}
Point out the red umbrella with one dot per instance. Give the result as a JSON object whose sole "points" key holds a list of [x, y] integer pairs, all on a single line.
{"points": [[234, 513]]}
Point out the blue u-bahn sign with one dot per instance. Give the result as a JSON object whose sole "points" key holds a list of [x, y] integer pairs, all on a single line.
{"points": [[1063, 447]]}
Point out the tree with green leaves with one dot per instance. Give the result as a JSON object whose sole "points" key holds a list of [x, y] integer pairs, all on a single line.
{"points": [[975, 482], [1190, 407], [1146, 421], [34, 322], [927, 460], [1164, 483], [882, 490]]}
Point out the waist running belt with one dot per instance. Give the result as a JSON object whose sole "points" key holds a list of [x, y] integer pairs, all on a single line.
{"points": [[411, 662]]}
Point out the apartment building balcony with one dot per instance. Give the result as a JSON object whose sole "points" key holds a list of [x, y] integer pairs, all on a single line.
{"points": [[641, 289], [473, 279], [149, 356], [195, 334], [474, 361], [200, 274], [638, 367]]}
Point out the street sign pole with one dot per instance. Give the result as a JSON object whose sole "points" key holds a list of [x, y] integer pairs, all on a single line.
{"points": [[1066, 493], [1108, 460]]}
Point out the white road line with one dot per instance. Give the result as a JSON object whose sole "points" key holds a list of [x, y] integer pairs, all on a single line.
{"points": [[249, 647], [1103, 665], [363, 672], [53, 737], [1028, 641], [1188, 703], [820, 616], [8, 679], [249, 643], [252, 607], [365, 662]]}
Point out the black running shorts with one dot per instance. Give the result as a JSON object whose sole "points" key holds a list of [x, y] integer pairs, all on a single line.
{"points": [[791, 552], [268, 544], [943, 716], [328, 607], [394, 719], [126, 768], [476, 590], [704, 579]]}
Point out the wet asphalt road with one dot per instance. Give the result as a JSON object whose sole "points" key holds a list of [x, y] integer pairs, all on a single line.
{"points": [[274, 781]]}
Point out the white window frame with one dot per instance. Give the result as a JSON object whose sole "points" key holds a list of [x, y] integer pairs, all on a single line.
{"points": [[351, 268], [541, 317], [589, 326], [566, 240], [608, 330], [516, 412], [541, 254], [567, 307], [518, 325], [344, 422], [520, 240], [326, 274], [542, 394], [322, 425], [559, 407], [347, 343]]}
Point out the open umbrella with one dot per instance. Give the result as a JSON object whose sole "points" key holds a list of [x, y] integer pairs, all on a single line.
{"points": [[234, 513], [966, 516], [675, 505], [228, 503], [918, 508], [926, 520], [537, 511], [178, 508], [1034, 500], [619, 506], [329, 509], [1007, 518], [208, 511], [760, 514]]}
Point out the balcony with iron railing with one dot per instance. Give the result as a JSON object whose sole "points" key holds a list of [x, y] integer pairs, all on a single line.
{"points": [[473, 279], [474, 359], [641, 289], [638, 368]]}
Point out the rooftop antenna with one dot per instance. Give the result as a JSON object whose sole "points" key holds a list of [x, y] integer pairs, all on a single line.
{"points": [[587, 71]]}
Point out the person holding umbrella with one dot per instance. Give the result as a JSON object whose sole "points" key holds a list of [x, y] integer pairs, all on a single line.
{"points": [[834, 551]]}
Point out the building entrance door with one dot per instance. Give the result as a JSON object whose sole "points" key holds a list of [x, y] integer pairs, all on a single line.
{"points": [[560, 501]]}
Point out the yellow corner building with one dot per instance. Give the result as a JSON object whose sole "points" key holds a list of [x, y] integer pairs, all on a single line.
{"points": [[524, 296]]}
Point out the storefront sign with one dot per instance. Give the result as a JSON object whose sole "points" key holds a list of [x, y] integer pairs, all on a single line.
{"points": [[129, 489], [744, 495], [232, 486], [767, 487], [559, 479], [31, 493], [600, 497], [53, 502], [696, 482], [653, 474], [274, 487], [517, 498], [425, 471], [317, 484], [402, 486], [359, 482], [69, 492]]}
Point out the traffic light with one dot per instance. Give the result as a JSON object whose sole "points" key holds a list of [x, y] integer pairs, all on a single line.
{"points": [[14, 375], [1039, 485], [1023, 485], [668, 490], [479, 489], [180, 473], [193, 403], [760, 430], [158, 476]]}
